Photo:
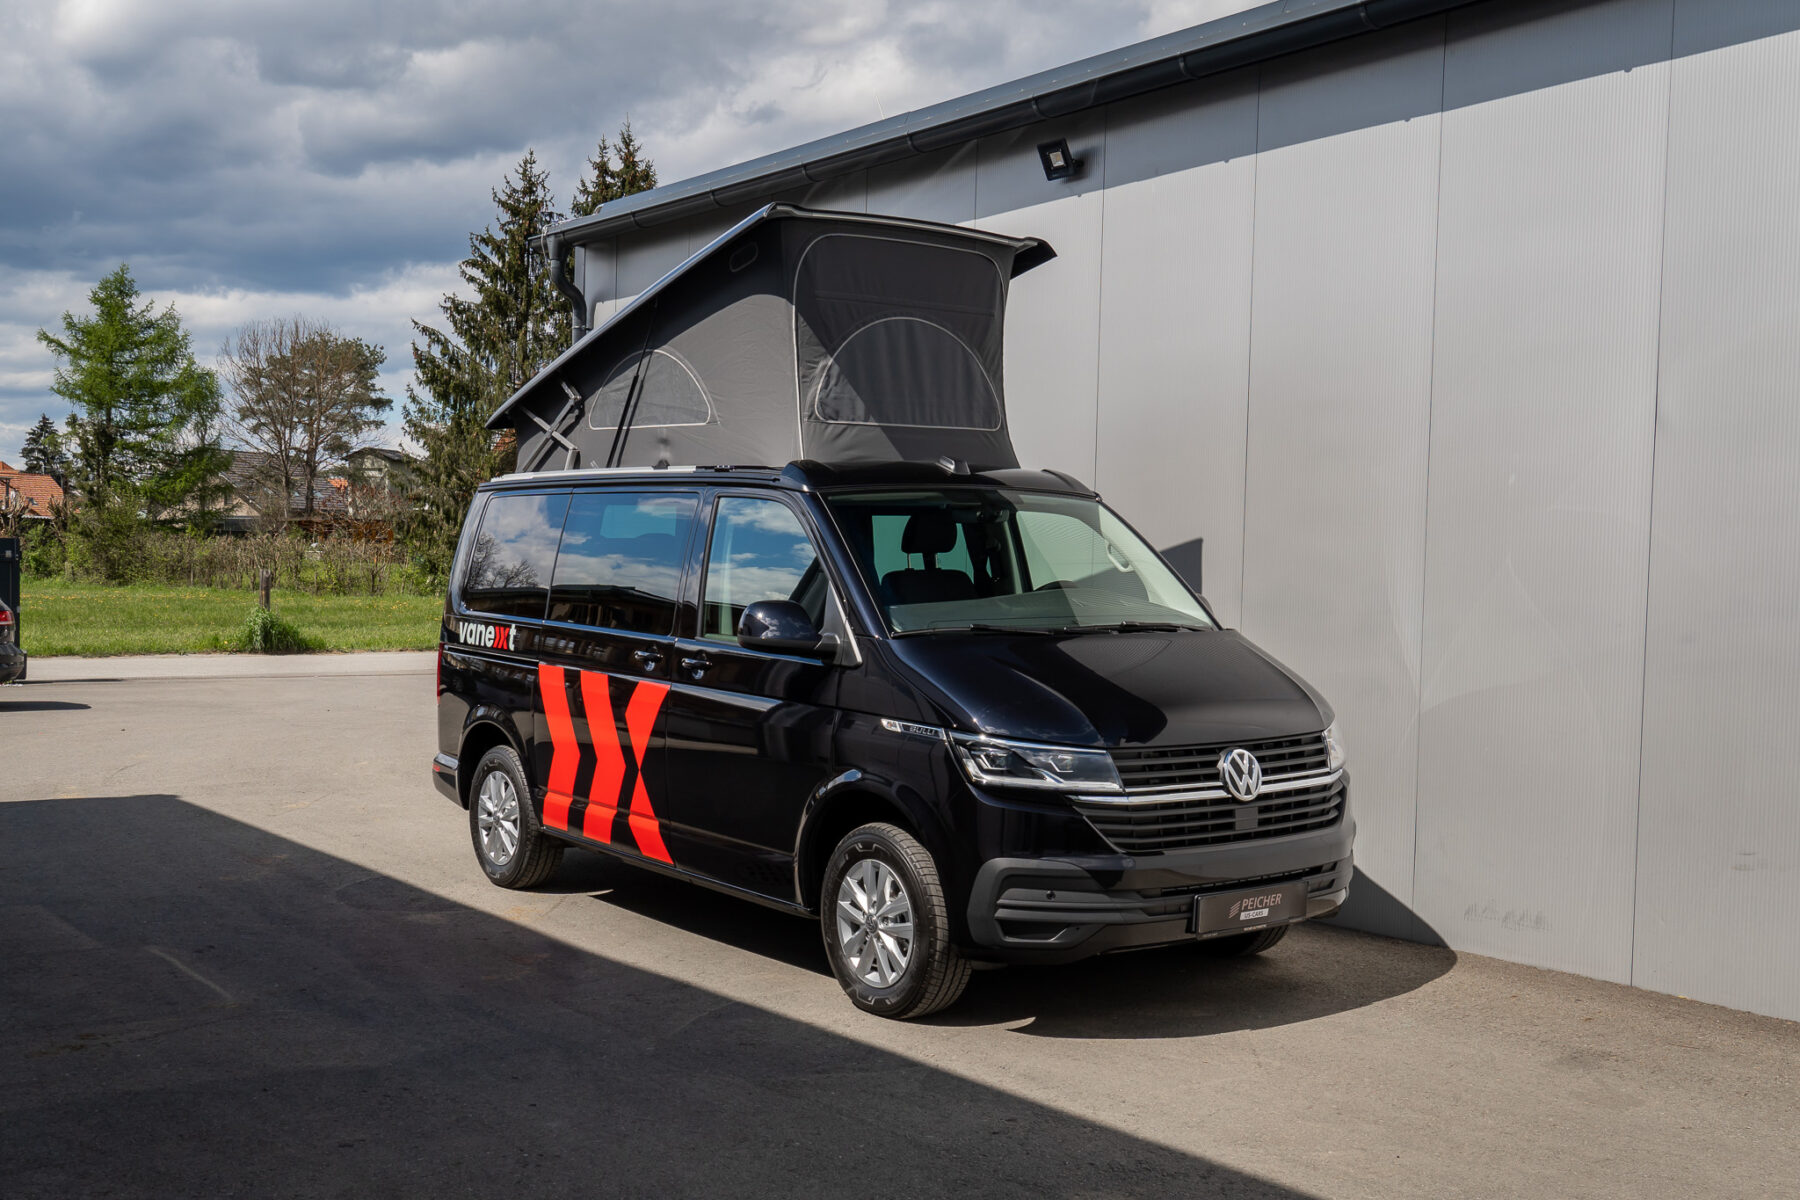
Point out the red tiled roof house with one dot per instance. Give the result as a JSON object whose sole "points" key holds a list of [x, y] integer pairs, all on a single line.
{"points": [[41, 493]]}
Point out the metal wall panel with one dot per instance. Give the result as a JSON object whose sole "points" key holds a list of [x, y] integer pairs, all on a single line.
{"points": [[932, 187], [599, 278], [1719, 838], [1542, 424], [1175, 321], [648, 257], [1340, 373], [847, 193], [1052, 343]]}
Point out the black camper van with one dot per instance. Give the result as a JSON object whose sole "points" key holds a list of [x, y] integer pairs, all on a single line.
{"points": [[957, 711]]}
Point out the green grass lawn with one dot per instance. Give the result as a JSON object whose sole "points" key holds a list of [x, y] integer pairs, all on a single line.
{"points": [[81, 618]]}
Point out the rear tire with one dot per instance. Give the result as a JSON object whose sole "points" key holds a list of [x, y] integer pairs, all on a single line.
{"points": [[1243, 945], [510, 845], [886, 925]]}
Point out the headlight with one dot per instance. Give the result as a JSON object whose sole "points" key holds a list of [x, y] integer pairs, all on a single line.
{"points": [[1334, 747], [997, 762]]}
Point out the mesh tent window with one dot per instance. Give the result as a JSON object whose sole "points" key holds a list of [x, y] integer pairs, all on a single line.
{"points": [[669, 394], [891, 325]]}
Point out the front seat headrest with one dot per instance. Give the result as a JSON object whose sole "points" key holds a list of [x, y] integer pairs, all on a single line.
{"points": [[930, 532]]}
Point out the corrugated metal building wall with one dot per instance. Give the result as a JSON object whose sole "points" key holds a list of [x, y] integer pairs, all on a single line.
{"points": [[1472, 350]]}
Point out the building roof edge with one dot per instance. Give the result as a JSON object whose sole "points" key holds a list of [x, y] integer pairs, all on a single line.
{"points": [[1255, 35]]}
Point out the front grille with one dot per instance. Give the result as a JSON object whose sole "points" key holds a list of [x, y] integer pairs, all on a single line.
{"points": [[1147, 825], [1193, 767]]}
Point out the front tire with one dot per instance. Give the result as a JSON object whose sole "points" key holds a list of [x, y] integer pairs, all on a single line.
{"points": [[510, 845], [886, 925]]}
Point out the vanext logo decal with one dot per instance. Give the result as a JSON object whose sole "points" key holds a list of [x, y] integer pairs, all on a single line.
{"points": [[493, 637]]}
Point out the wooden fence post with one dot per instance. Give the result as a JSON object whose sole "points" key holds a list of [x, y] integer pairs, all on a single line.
{"points": [[267, 582]]}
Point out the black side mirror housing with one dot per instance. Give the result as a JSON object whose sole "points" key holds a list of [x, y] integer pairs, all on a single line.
{"points": [[781, 626]]}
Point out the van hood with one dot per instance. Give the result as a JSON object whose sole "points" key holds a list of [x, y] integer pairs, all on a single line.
{"points": [[1135, 688]]}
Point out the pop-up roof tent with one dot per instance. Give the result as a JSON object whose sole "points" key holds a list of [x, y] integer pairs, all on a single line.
{"points": [[798, 334]]}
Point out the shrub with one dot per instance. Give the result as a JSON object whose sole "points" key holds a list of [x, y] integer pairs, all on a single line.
{"points": [[108, 541], [107, 548], [43, 556], [265, 633]]}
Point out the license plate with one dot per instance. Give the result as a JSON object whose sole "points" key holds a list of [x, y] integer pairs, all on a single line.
{"points": [[1257, 908]]}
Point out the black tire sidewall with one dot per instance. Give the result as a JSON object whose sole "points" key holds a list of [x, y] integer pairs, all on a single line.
{"points": [[503, 758], [928, 938]]}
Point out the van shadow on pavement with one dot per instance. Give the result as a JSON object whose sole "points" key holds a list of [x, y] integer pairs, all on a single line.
{"points": [[1317, 971], [194, 1006]]}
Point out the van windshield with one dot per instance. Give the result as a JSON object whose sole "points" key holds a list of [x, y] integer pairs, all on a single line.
{"points": [[994, 558]]}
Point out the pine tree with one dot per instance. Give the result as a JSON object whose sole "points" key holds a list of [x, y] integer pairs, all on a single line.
{"points": [[44, 450], [493, 342], [144, 407], [614, 172], [599, 185]]}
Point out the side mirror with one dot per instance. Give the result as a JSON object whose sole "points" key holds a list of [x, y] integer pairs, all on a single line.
{"points": [[781, 626]]}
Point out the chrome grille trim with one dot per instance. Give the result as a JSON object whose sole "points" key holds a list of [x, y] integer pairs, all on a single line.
{"points": [[1285, 783], [1152, 824], [1180, 769]]}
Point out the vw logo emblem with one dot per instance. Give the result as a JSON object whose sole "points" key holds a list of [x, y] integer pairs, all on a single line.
{"points": [[1241, 773]]}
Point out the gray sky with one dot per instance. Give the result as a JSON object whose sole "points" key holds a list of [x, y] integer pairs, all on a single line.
{"points": [[330, 157]]}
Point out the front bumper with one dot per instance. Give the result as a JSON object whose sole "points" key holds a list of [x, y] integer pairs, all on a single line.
{"points": [[1058, 909]]}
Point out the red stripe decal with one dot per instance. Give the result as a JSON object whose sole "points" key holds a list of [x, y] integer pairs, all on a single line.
{"points": [[640, 719], [565, 754], [609, 758]]}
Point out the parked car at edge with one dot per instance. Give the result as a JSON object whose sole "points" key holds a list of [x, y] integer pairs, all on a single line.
{"points": [[955, 718], [12, 655]]}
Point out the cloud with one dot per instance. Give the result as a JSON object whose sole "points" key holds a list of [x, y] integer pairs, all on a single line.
{"points": [[331, 156]]}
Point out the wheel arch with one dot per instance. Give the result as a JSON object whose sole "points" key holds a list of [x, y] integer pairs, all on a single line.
{"points": [[843, 803], [483, 733]]}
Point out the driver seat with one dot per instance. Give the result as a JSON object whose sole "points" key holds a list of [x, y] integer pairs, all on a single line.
{"points": [[928, 534]]}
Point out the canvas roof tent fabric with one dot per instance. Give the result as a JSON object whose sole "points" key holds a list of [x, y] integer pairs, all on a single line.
{"points": [[838, 337]]}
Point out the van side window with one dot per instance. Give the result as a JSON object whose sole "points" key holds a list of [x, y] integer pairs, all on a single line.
{"points": [[760, 551], [509, 564], [620, 562]]}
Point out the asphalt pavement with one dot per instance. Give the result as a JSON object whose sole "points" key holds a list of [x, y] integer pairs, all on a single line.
{"points": [[245, 950]]}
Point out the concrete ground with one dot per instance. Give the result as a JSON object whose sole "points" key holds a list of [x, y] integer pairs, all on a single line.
{"points": [[245, 950]]}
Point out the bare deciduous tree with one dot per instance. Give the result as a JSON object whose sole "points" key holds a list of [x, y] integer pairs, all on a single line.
{"points": [[305, 395]]}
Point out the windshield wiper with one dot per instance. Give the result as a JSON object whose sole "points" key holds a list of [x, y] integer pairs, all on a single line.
{"points": [[1132, 627], [978, 627]]}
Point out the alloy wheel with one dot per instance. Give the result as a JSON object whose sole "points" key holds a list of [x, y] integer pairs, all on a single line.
{"points": [[874, 922], [497, 818]]}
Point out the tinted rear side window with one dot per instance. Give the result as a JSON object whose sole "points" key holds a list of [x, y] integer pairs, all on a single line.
{"points": [[620, 562], [514, 550]]}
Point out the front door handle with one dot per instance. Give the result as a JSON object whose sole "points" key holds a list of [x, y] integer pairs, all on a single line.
{"points": [[647, 659], [696, 666]]}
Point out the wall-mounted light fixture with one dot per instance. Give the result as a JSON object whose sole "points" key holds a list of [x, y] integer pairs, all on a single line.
{"points": [[1059, 162]]}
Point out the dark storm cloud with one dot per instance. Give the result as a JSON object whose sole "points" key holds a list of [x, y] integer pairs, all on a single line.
{"points": [[300, 154], [179, 128]]}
